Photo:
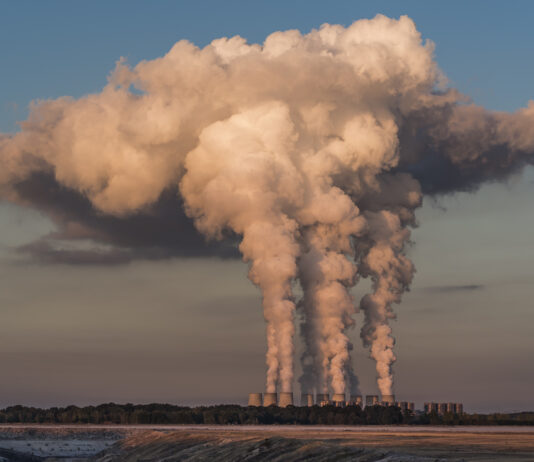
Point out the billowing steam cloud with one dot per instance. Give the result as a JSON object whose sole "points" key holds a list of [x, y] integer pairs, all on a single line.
{"points": [[315, 150]]}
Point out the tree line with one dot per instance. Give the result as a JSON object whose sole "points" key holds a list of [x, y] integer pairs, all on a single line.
{"points": [[160, 414]]}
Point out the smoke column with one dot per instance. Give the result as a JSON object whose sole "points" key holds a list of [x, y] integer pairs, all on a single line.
{"points": [[315, 150]]}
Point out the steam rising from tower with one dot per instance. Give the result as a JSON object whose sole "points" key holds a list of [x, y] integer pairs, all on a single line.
{"points": [[314, 149]]}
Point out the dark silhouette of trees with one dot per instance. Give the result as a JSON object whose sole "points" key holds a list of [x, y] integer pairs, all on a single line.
{"points": [[162, 414]]}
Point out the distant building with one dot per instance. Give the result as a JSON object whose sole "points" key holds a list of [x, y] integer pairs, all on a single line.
{"points": [[371, 400], [403, 405], [431, 407], [442, 408]]}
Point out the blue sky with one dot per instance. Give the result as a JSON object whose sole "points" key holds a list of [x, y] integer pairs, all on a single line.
{"points": [[56, 48], [62, 327]]}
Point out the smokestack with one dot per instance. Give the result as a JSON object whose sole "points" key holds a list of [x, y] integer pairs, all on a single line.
{"points": [[306, 399], [388, 400], [356, 400], [285, 399], [270, 399], [254, 399]]}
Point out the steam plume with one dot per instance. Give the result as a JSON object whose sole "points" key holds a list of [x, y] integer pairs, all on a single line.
{"points": [[314, 149]]}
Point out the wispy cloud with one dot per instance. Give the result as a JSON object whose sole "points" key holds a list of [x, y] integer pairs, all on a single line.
{"points": [[454, 288]]}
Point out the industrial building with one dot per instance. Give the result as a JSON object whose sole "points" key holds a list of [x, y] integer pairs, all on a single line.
{"points": [[285, 399], [306, 399], [442, 408], [405, 406], [371, 400]]}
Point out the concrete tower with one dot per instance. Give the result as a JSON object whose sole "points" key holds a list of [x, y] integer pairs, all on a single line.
{"points": [[270, 399], [254, 399], [323, 398], [371, 400], [339, 399], [388, 400], [285, 399], [356, 400], [306, 399]]}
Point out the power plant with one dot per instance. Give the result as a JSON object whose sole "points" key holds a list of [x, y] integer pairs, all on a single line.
{"points": [[442, 408], [270, 399], [254, 399], [285, 399]]}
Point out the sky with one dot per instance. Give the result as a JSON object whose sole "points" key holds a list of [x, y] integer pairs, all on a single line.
{"points": [[191, 330]]}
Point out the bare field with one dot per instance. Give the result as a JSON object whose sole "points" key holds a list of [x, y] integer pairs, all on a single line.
{"points": [[271, 443]]}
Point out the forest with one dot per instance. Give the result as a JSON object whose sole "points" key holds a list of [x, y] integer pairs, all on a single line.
{"points": [[130, 414]]}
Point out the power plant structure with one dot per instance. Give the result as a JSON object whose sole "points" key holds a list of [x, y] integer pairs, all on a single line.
{"points": [[285, 399], [270, 399], [442, 408], [255, 399]]}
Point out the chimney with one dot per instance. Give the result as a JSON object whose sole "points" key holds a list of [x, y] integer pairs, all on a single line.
{"points": [[285, 399], [269, 399], [254, 399]]}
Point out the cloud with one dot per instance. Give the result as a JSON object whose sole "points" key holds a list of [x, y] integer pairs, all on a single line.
{"points": [[44, 252], [454, 288], [159, 231]]}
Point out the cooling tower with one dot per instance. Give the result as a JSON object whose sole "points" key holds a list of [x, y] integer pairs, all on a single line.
{"points": [[306, 399], [356, 400], [442, 408], [285, 399], [254, 399], [323, 399], [270, 399], [339, 399], [388, 400], [371, 400]]}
